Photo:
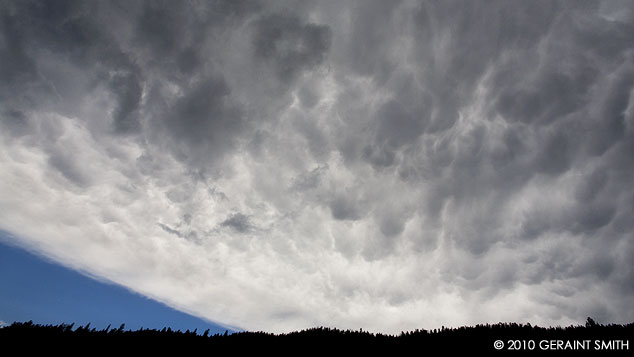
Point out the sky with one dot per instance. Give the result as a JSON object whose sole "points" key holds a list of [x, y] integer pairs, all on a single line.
{"points": [[278, 165], [47, 293]]}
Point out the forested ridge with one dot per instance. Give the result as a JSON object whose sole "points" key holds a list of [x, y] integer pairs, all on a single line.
{"points": [[480, 337]]}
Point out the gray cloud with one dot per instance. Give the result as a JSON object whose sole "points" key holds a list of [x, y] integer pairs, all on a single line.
{"points": [[203, 122], [17, 66], [161, 28], [345, 207], [239, 222], [310, 180], [377, 164], [170, 230], [290, 45], [16, 122], [128, 91], [68, 167], [189, 235]]}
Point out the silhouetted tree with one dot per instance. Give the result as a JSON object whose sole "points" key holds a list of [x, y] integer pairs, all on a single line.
{"points": [[590, 322], [460, 339]]}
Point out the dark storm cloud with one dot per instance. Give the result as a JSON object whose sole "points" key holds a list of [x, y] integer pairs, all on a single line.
{"points": [[398, 124], [63, 26], [553, 158], [127, 90], [180, 30], [591, 185], [367, 43], [551, 82], [16, 65], [160, 27], [290, 45], [204, 119], [168, 45], [36, 32]]}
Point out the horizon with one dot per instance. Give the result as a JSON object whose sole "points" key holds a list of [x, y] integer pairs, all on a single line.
{"points": [[277, 165]]}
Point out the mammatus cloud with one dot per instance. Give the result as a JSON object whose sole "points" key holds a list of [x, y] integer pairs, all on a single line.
{"points": [[274, 166]]}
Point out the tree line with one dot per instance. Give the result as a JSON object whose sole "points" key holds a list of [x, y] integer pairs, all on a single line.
{"points": [[481, 337]]}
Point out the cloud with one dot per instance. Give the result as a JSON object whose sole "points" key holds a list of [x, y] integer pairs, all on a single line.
{"points": [[385, 165], [238, 222], [128, 92], [290, 45]]}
